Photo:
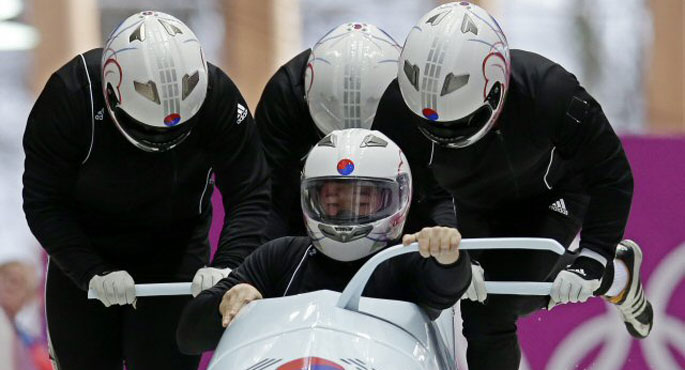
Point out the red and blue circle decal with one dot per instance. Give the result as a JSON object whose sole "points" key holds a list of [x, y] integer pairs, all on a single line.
{"points": [[172, 119], [345, 167], [310, 363], [430, 114]]}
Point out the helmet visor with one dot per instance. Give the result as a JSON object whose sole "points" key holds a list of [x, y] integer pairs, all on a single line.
{"points": [[459, 130], [154, 138], [352, 201]]}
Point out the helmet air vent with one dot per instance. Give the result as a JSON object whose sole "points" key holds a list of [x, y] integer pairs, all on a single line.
{"points": [[467, 25], [373, 141], [148, 90], [437, 18], [412, 73], [328, 141], [453, 83], [138, 34], [345, 234], [170, 28], [189, 83]]}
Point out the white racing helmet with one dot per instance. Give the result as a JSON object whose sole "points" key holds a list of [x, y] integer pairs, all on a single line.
{"points": [[347, 72], [356, 190], [454, 73], [154, 77]]}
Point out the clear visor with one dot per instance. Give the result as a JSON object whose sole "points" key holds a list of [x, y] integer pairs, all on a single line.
{"points": [[353, 201]]}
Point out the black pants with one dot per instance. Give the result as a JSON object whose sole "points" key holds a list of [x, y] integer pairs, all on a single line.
{"points": [[490, 328], [84, 334]]}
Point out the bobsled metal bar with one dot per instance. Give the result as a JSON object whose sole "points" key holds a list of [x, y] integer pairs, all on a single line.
{"points": [[517, 287], [538, 244], [356, 285], [149, 290], [349, 299]]}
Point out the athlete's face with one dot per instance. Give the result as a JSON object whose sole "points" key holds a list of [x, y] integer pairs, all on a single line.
{"points": [[340, 199]]}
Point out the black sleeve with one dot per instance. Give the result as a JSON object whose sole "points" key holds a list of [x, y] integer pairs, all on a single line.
{"points": [[583, 135], [431, 204], [426, 282], [55, 144], [434, 205], [241, 173], [286, 136], [200, 328]]}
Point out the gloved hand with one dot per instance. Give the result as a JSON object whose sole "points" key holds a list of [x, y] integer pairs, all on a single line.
{"points": [[116, 287], [476, 290], [206, 277], [577, 282]]}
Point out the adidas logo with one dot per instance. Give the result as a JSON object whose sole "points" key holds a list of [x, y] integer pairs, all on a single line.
{"points": [[559, 206], [100, 115], [242, 113]]}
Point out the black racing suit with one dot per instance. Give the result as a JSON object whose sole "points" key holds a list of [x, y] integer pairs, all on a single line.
{"points": [[288, 133], [551, 166], [291, 265], [96, 203]]}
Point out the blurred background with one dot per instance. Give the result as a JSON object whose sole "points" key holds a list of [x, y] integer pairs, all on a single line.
{"points": [[629, 54]]}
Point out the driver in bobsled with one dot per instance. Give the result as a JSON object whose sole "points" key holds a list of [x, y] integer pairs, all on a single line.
{"points": [[355, 193]]}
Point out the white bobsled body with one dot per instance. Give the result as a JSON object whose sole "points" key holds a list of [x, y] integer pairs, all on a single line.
{"points": [[308, 331]]}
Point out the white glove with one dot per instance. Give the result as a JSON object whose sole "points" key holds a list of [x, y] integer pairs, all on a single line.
{"points": [[476, 290], [206, 278], [117, 287], [571, 287]]}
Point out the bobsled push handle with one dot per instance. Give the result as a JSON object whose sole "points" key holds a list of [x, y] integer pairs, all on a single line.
{"points": [[349, 299], [149, 290]]}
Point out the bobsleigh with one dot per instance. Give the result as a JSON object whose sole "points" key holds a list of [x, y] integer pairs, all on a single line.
{"points": [[326, 330]]}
